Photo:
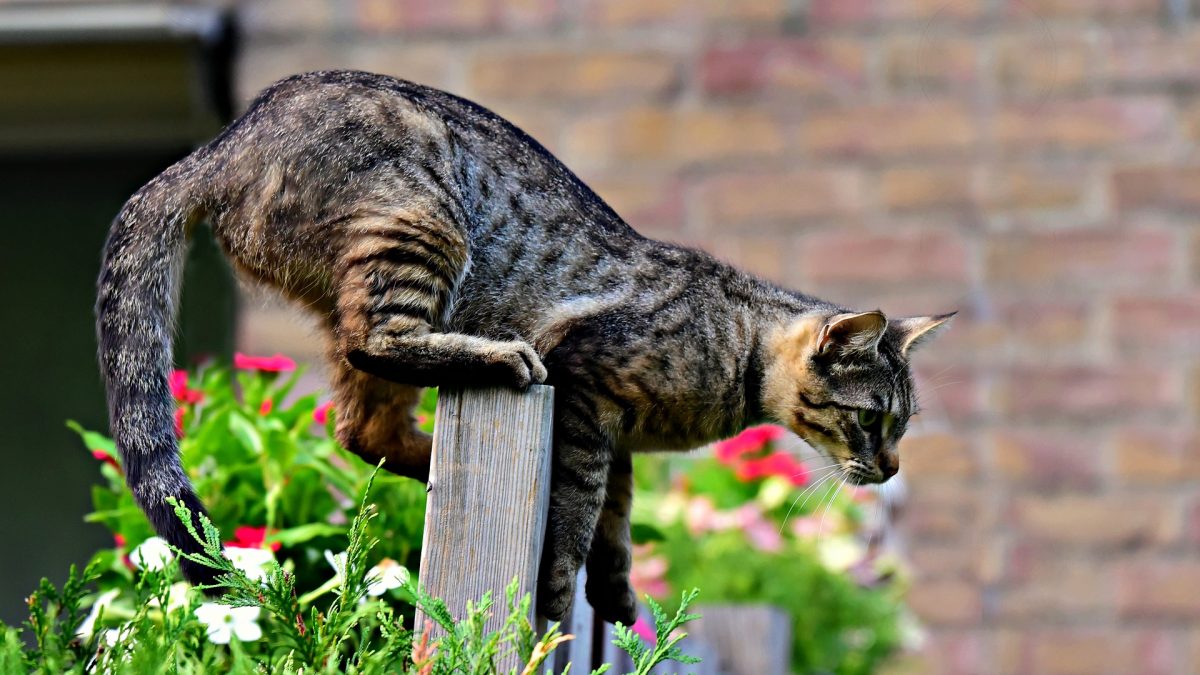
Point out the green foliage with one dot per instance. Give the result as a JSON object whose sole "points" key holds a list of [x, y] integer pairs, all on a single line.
{"points": [[749, 526], [270, 472], [667, 636]]}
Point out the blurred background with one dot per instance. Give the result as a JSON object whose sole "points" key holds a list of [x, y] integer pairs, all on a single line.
{"points": [[1031, 163]]}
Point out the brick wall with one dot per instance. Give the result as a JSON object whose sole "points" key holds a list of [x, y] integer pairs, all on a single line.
{"points": [[1032, 163]]}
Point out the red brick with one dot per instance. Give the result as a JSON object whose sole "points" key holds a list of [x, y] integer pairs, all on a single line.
{"points": [[654, 135], [912, 255], [923, 188], [1037, 324], [1158, 187], [1112, 521], [950, 393], [926, 64], [938, 456], [645, 202], [953, 651], [1043, 64], [1158, 324], [1080, 393], [948, 559], [1042, 458], [1045, 10], [1094, 650], [1151, 56], [910, 129], [431, 64], [1086, 258], [743, 198], [453, 16], [681, 13], [788, 67], [943, 511], [945, 602], [857, 12], [1091, 125], [1158, 455], [1060, 588], [759, 255], [547, 75], [1032, 187], [1160, 589], [285, 16]]}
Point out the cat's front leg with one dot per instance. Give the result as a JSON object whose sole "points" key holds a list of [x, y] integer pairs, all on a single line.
{"points": [[611, 556], [579, 478], [396, 279]]}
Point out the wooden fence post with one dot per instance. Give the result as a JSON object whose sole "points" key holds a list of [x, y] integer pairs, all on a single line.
{"points": [[743, 639], [489, 490]]}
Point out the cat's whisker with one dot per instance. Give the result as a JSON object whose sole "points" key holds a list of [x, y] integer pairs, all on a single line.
{"points": [[829, 503], [810, 491]]}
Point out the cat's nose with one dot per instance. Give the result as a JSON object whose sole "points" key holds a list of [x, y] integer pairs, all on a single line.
{"points": [[888, 463]]}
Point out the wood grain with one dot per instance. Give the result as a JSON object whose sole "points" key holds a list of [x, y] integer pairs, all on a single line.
{"points": [[489, 489]]}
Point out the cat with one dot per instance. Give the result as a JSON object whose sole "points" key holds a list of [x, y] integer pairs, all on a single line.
{"points": [[437, 244]]}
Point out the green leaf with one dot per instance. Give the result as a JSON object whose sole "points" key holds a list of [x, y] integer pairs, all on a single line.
{"points": [[645, 533], [297, 535], [95, 441], [245, 431]]}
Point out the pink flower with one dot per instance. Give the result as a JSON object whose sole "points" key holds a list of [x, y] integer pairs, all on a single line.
{"points": [[749, 441], [644, 630], [119, 540], [779, 464], [246, 536], [267, 364], [265, 408], [422, 419], [179, 413], [648, 576], [763, 534], [700, 515], [108, 459], [321, 414], [180, 390]]}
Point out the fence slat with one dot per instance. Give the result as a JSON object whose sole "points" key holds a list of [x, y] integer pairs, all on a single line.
{"points": [[748, 639], [489, 489], [580, 624]]}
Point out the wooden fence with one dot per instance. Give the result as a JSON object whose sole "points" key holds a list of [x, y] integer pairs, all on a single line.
{"points": [[489, 489]]}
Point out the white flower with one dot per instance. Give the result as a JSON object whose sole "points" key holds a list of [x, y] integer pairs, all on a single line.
{"points": [[177, 596], [252, 561], [102, 602], [225, 622], [152, 554], [385, 576], [840, 553]]}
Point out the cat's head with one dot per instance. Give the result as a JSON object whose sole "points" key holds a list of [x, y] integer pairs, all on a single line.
{"points": [[842, 383]]}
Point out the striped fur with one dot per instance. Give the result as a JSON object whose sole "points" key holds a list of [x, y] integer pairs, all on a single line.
{"points": [[440, 245]]}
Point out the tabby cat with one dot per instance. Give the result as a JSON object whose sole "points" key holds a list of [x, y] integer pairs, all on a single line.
{"points": [[438, 244]]}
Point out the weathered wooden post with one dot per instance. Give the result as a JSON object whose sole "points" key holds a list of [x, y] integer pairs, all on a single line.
{"points": [[489, 490]]}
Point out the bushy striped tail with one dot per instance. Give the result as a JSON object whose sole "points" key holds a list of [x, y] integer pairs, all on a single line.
{"points": [[138, 291]]}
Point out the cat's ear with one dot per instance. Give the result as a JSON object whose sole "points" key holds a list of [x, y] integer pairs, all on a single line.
{"points": [[917, 330], [852, 333]]}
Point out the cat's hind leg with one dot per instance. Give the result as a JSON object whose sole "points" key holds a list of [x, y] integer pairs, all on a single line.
{"points": [[611, 555], [374, 420], [579, 477], [395, 282]]}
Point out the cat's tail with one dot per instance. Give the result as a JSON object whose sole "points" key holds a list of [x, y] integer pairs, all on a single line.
{"points": [[138, 291]]}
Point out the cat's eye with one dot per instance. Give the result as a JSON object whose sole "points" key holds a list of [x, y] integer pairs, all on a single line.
{"points": [[868, 418]]}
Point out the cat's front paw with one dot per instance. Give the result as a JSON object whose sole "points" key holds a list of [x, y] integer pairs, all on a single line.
{"points": [[614, 601], [556, 592], [520, 359]]}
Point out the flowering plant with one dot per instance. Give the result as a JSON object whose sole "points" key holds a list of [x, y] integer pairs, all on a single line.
{"points": [[315, 577], [753, 523]]}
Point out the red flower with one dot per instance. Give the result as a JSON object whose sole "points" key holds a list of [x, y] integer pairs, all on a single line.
{"points": [[265, 408], [321, 414], [776, 464], [251, 537], [179, 388], [108, 459], [749, 441], [179, 413], [119, 540], [267, 364]]}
